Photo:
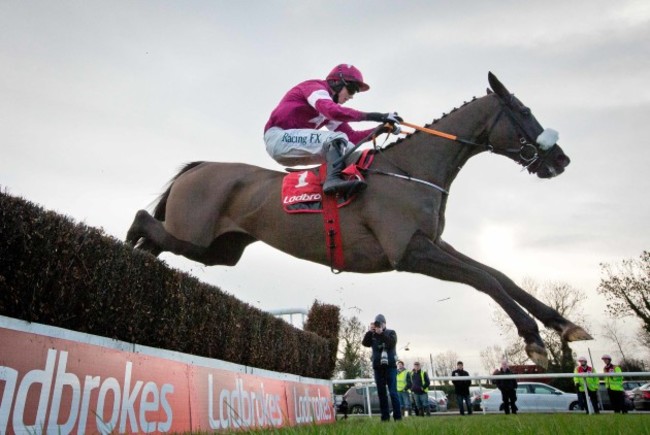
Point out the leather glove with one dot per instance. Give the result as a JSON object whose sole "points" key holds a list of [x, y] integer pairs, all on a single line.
{"points": [[391, 117], [393, 128]]}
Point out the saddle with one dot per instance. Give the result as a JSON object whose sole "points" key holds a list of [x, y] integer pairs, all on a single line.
{"points": [[302, 191]]}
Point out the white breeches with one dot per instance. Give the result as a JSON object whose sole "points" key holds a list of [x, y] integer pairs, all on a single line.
{"points": [[301, 146]]}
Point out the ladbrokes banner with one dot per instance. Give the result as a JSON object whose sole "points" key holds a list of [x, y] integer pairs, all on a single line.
{"points": [[58, 381]]}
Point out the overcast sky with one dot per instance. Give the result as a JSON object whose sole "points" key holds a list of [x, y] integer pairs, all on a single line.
{"points": [[102, 101]]}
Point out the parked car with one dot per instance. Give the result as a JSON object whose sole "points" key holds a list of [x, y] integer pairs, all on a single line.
{"points": [[603, 396], [533, 397], [475, 394], [357, 402], [438, 400], [641, 397], [630, 386]]}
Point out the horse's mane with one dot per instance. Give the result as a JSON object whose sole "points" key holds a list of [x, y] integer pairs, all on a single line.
{"points": [[431, 124]]}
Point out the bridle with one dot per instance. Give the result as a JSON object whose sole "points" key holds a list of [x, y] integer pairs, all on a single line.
{"points": [[526, 141], [529, 152]]}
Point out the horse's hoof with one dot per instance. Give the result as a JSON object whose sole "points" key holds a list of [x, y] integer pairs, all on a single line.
{"points": [[134, 234], [131, 240], [575, 333], [537, 354]]}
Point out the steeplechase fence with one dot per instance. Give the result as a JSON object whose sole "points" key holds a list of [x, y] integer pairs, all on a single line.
{"points": [[182, 356]]}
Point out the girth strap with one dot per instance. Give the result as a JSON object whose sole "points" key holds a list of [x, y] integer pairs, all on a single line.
{"points": [[333, 239]]}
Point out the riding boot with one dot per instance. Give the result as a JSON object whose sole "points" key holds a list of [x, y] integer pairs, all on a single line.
{"points": [[334, 183]]}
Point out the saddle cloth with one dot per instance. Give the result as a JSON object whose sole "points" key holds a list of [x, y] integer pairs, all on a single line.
{"points": [[302, 192]]}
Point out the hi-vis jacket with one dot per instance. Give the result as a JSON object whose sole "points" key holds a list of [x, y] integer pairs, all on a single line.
{"points": [[592, 383], [614, 383], [403, 380]]}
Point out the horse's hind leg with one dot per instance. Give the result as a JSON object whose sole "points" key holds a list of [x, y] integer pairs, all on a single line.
{"points": [[424, 256], [139, 231], [547, 315], [151, 236]]}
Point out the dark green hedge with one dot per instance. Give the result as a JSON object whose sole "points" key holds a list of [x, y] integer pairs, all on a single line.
{"points": [[56, 272]]}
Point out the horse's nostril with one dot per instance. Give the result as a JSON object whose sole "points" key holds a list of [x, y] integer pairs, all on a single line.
{"points": [[563, 160]]}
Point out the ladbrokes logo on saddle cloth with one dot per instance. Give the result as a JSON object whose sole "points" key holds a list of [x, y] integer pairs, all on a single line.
{"points": [[302, 192]]}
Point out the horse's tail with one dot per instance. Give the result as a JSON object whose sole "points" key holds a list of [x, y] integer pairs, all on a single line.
{"points": [[161, 203]]}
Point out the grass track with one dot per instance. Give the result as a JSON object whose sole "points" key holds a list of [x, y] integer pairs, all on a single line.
{"points": [[478, 424]]}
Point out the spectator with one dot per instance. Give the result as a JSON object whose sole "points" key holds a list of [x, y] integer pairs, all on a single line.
{"points": [[343, 408], [383, 341], [614, 385], [592, 386], [462, 389], [508, 388], [404, 388], [420, 385]]}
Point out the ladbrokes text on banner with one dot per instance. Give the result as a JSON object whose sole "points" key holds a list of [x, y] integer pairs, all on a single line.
{"points": [[64, 385]]}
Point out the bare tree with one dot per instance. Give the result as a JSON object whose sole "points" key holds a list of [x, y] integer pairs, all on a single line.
{"points": [[514, 350], [515, 353], [627, 288], [643, 338], [612, 332], [445, 363], [568, 302], [491, 357], [559, 296]]}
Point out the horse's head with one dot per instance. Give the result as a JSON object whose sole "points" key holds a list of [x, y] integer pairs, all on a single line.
{"points": [[536, 147]]}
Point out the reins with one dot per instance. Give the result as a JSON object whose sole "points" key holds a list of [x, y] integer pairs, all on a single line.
{"points": [[524, 140], [444, 135], [431, 131], [487, 146], [409, 178]]}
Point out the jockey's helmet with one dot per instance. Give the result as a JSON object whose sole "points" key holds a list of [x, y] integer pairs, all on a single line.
{"points": [[347, 73]]}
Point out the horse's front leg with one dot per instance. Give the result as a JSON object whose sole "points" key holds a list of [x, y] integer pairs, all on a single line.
{"points": [[424, 256], [547, 315]]}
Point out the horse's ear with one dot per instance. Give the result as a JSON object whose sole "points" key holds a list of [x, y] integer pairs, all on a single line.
{"points": [[497, 86]]}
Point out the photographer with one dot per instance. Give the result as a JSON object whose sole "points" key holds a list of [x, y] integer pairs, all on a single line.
{"points": [[383, 342]]}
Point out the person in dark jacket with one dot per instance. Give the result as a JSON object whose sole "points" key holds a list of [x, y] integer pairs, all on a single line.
{"points": [[508, 388], [419, 386], [462, 389], [343, 408], [384, 364]]}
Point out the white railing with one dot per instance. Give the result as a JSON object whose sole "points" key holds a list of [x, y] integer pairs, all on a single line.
{"points": [[369, 382]]}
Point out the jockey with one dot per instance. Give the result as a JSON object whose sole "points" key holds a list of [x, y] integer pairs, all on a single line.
{"points": [[292, 135]]}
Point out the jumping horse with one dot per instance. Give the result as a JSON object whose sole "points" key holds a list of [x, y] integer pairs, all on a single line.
{"points": [[211, 211]]}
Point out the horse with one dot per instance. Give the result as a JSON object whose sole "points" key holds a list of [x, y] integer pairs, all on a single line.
{"points": [[211, 211]]}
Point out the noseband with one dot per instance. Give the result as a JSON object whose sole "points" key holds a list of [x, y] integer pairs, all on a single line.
{"points": [[528, 152]]}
